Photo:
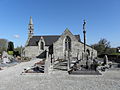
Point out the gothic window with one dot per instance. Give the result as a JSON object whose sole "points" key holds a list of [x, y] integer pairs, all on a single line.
{"points": [[42, 46], [88, 52], [67, 43]]}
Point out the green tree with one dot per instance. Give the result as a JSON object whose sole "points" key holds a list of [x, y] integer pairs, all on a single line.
{"points": [[3, 45], [103, 47], [10, 49], [19, 49], [10, 46]]}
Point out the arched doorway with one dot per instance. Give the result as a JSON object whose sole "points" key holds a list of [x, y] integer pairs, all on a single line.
{"points": [[88, 52], [42, 46]]}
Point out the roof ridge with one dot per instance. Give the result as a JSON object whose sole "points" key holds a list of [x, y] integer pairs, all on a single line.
{"points": [[51, 35]]}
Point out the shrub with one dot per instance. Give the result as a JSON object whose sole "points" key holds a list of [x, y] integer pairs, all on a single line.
{"points": [[10, 52]]}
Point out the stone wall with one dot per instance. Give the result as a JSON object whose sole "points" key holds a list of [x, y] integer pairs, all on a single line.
{"points": [[92, 51], [59, 46], [77, 48], [31, 51]]}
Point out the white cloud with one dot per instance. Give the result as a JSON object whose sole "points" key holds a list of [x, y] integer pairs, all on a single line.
{"points": [[17, 36]]}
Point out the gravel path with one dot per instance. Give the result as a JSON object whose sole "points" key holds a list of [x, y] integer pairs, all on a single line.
{"points": [[10, 79]]}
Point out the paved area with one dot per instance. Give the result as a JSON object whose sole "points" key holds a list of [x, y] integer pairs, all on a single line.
{"points": [[11, 79]]}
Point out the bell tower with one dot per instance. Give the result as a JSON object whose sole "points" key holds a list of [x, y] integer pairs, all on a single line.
{"points": [[30, 28]]}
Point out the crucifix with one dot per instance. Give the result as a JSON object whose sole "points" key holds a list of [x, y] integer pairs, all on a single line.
{"points": [[84, 32]]}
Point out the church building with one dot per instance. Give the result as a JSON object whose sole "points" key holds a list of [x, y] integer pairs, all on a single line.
{"points": [[58, 46]]}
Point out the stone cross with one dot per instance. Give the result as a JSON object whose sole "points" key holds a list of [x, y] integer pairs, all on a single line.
{"points": [[68, 58], [84, 32], [106, 60], [47, 63]]}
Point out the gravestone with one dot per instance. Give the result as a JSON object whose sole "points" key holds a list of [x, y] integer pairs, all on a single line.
{"points": [[68, 60], [5, 57], [105, 60], [85, 56], [47, 67]]}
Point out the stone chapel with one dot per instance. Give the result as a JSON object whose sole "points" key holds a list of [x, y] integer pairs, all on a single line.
{"points": [[57, 46]]}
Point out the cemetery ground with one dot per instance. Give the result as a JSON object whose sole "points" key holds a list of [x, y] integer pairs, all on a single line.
{"points": [[12, 79]]}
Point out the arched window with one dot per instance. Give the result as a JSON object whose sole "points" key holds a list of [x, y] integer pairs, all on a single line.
{"points": [[42, 46], [88, 52], [67, 43]]}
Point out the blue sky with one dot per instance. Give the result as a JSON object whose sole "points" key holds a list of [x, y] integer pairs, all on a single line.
{"points": [[52, 17]]}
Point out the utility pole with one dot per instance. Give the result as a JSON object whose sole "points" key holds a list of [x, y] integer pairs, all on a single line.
{"points": [[84, 32]]}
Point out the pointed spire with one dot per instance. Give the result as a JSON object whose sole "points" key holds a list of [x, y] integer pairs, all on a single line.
{"points": [[31, 22], [30, 28]]}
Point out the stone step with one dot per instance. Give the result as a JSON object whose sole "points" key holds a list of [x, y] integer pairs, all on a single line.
{"points": [[85, 72]]}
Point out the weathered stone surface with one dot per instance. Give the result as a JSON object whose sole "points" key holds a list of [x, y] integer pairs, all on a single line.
{"points": [[77, 48], [33, 51]]}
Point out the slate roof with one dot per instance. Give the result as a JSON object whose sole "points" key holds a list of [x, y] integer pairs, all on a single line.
{"points": [[49, 39]]}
